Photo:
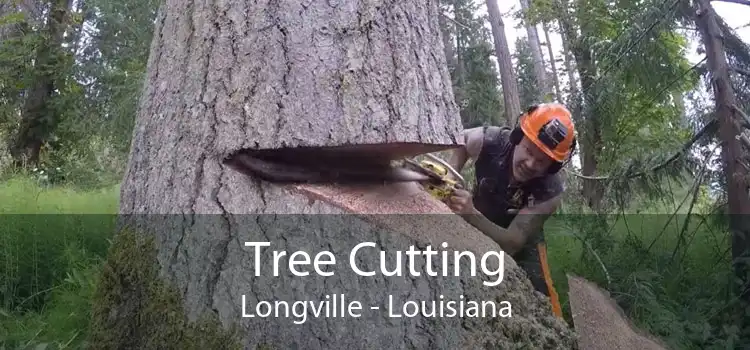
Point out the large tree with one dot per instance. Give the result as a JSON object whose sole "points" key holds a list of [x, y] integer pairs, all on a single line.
{"points": [[230, 76]]}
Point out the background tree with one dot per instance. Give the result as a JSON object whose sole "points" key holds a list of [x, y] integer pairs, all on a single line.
{"points": [[535, 48], [474, 77], [502, 53], [530, 90]]}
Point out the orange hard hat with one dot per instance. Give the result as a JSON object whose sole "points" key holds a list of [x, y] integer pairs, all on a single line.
{"points": [[550, 127]]}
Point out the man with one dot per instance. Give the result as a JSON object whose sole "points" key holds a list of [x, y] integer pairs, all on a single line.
{"points": [[518, 187]]}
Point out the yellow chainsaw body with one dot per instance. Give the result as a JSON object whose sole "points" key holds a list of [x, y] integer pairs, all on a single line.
{"points": [[442, 189]]}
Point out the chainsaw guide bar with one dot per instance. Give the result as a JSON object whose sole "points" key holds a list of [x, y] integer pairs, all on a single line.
{"points": [[321, 168], [338, 165]]}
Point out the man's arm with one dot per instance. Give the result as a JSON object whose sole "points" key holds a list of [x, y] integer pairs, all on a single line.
{"points": [[527, 223], [473, 140], [530, 221]]}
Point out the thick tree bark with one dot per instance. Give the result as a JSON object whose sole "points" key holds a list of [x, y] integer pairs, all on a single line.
{"points": [[536, 54], [304, 74], [511, 97], [287, 76]]}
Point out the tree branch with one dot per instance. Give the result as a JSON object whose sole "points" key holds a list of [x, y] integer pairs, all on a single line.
{"points": [[740, 70], [708, 128], [454, 21], [741, 2], [745, 118]]}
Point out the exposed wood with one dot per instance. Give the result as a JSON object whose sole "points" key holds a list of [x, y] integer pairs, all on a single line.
{"points": [[600, 323]]}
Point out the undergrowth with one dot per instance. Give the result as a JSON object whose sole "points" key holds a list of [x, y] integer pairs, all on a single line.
{"points": [[671, 277], [50, 256], [49, 265]]}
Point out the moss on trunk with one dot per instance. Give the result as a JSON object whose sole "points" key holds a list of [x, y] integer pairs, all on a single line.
{"points": [[134, 308]]}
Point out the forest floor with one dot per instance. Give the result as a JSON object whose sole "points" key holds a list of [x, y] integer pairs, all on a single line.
{"points": [[49, 265]]}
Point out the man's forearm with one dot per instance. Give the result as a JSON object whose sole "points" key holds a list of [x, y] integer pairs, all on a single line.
{"points": [[509, 241], [530, 221]]}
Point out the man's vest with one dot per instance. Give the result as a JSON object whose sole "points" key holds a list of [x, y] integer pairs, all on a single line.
{"points": [[493, 196]]}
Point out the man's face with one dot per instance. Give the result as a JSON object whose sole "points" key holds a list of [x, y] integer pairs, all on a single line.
{"points": [[529, 161]]}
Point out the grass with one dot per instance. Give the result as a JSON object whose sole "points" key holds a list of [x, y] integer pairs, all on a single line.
{"points": [[49, 258], [49, 266]]}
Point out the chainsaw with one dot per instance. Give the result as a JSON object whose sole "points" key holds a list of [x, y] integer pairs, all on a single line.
{"points": [[443, 178], [340, 165]]}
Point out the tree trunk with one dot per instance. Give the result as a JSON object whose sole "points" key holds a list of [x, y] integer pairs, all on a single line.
{"points": [[295, 75], [459, 73], [553, 64], [593, 190], [447, 42], [511, 96], [569, 68], [38, 117], [7, 30], [77, 38], [601, 323], [590, 137], [460, 62], [32, 16], [536, 54], [738, 201]]}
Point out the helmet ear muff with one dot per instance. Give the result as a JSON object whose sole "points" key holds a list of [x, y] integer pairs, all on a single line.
{"points": [[516, 135]]}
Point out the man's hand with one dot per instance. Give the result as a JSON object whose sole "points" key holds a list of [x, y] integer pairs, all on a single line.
{"points": [[461, 202]]}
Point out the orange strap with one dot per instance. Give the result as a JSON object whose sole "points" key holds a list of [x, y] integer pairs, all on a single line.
{"points": [[548, 279]]}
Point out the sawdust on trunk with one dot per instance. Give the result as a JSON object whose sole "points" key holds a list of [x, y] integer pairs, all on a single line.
{"points": [[600, 323], [226, 76]]}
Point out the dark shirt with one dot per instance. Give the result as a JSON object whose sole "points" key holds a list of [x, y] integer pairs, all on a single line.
{"points": [[494, 195]]}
